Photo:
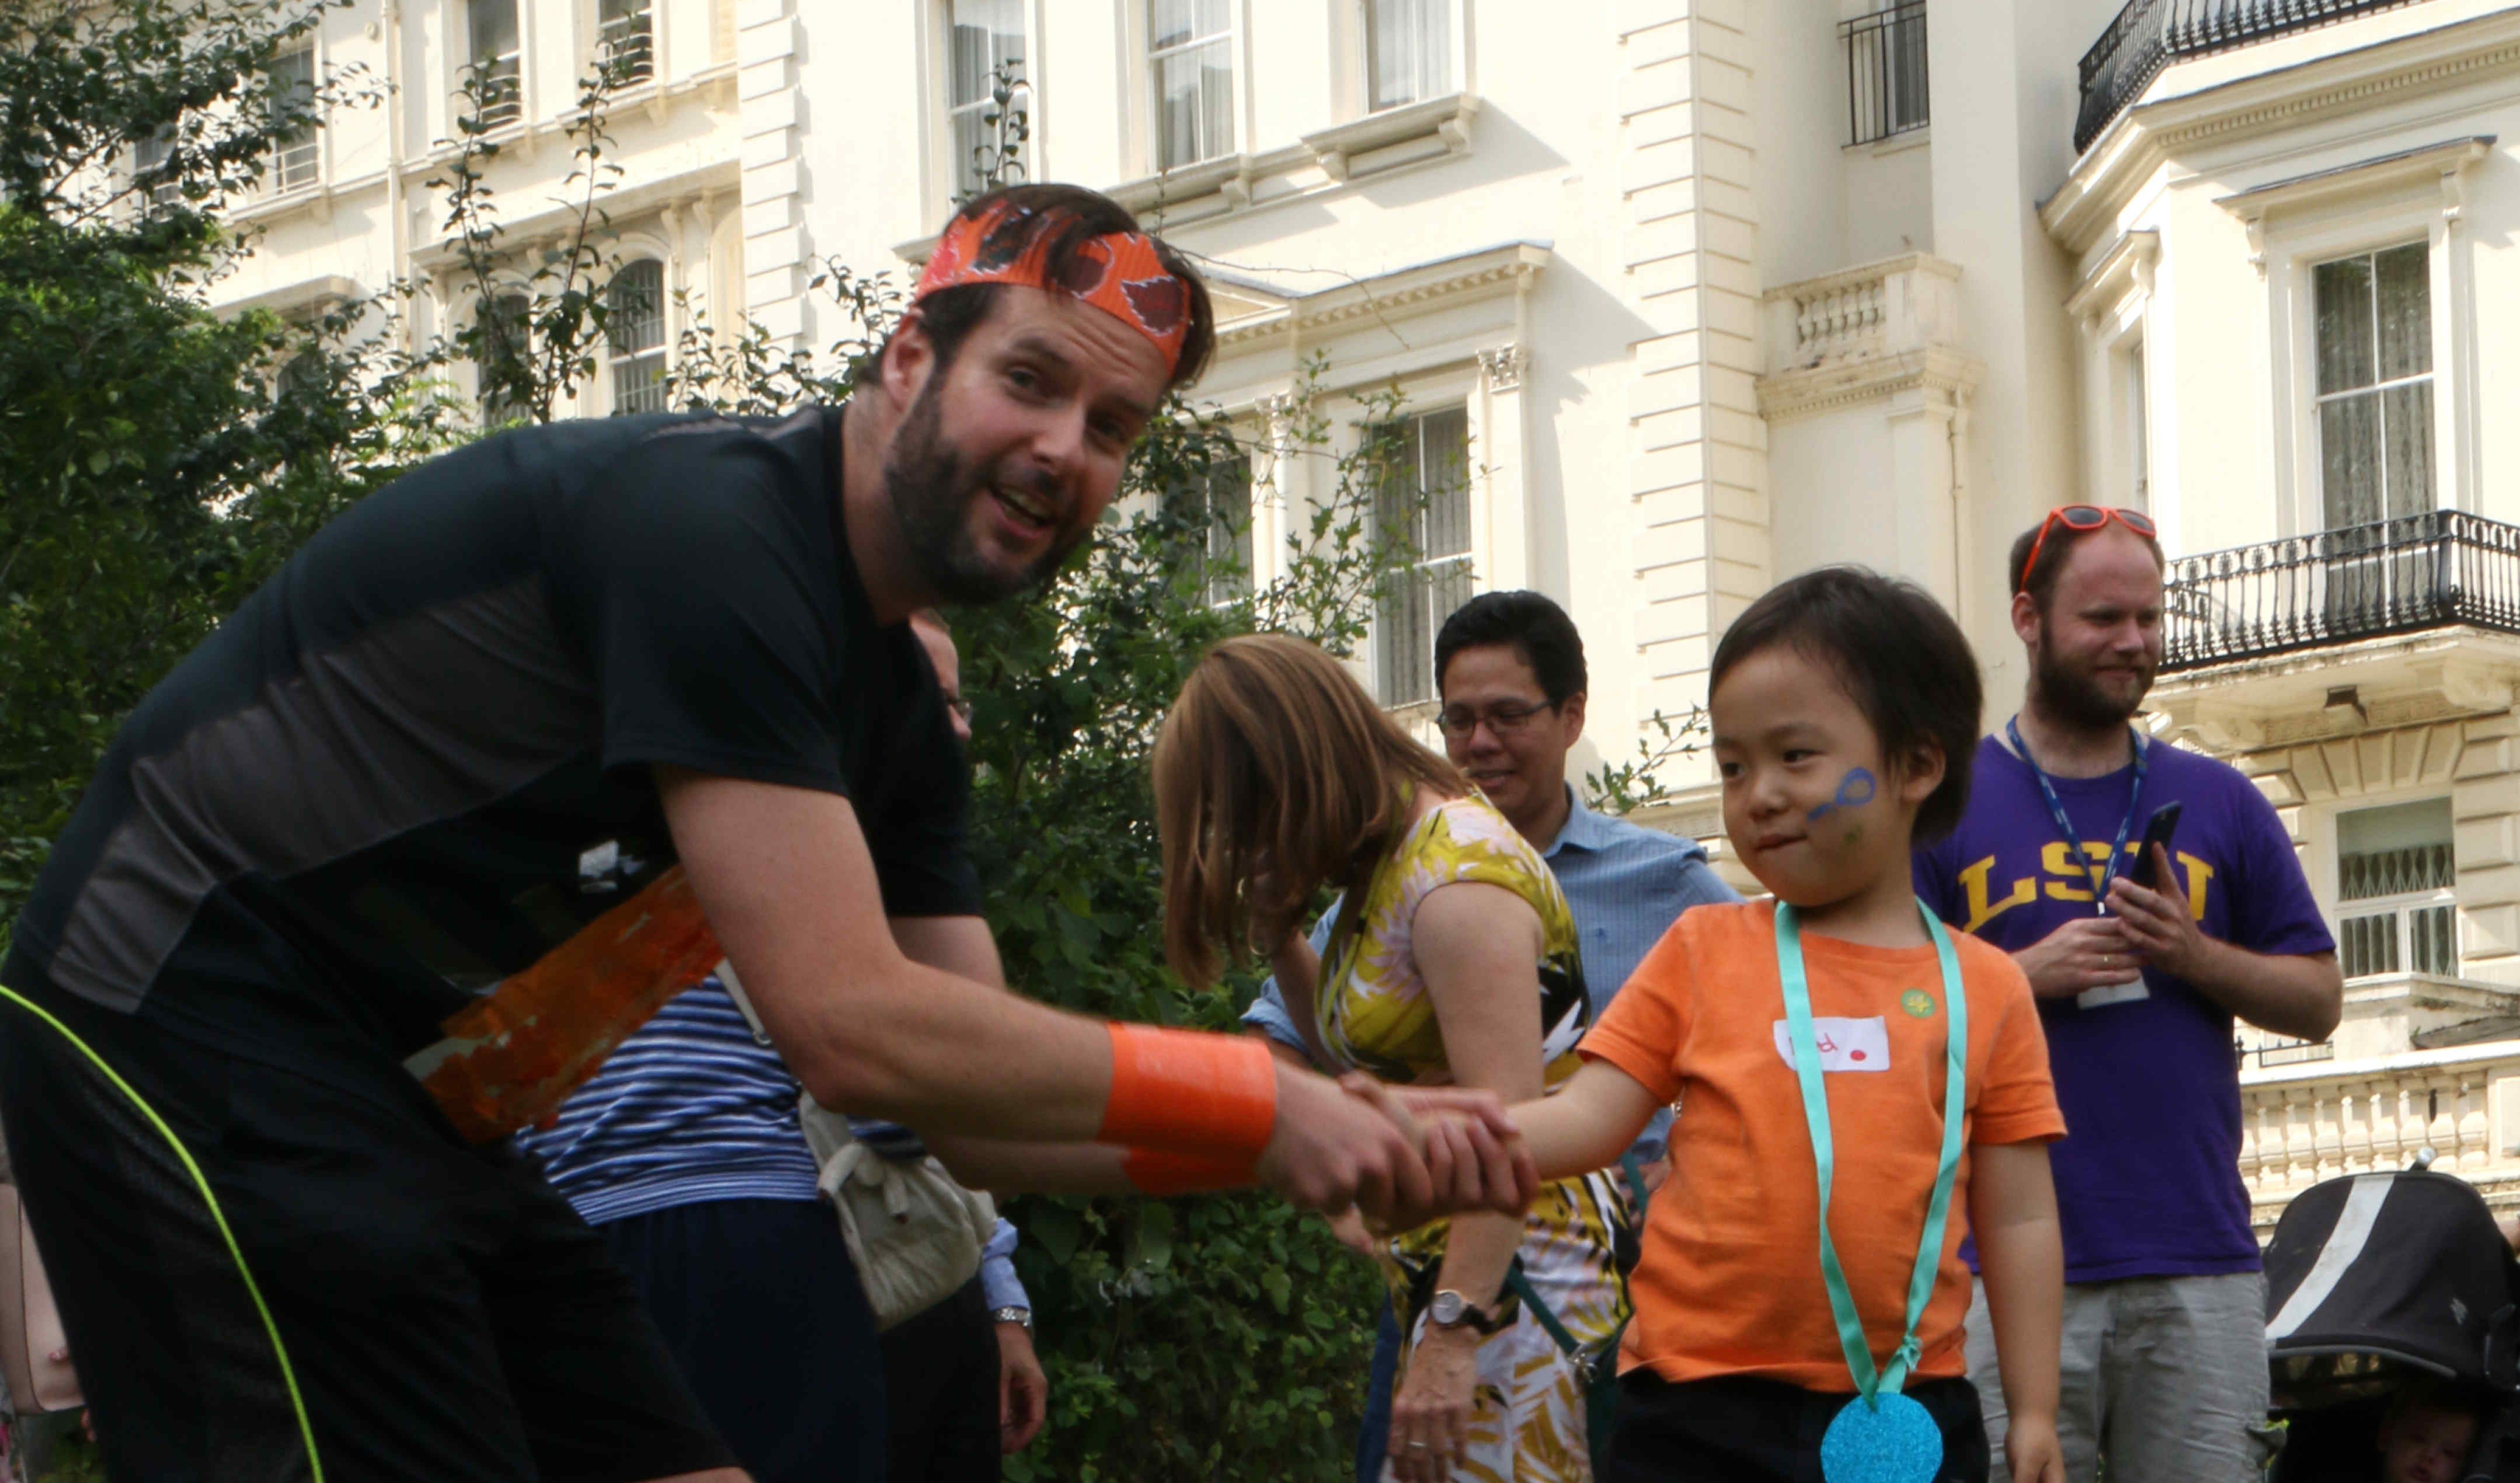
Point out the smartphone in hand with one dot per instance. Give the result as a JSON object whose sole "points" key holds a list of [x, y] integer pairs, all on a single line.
{"points": [[2157, 830]]}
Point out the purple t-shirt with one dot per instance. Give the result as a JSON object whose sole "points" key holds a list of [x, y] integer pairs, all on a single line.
{"points": [[2147, 1176]]}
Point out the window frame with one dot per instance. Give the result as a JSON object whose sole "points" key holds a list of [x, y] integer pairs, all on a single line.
{"points": [[1451, 71], [1422, 574], [305, 153], [2290, 245], [661, 354], [506, 295], [166, 193], [2399, 907], [466, 60], [654, 52], [2378, 390], [948, 174], [1149, 55]]}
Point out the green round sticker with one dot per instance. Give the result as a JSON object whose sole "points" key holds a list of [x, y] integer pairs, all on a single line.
{"points": [[1917, 1003]]}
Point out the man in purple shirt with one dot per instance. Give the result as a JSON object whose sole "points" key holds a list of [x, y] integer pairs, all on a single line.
{"points": [[2164, 1368]]}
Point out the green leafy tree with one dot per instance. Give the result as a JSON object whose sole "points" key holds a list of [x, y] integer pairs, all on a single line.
{"points": [[156, 460]]}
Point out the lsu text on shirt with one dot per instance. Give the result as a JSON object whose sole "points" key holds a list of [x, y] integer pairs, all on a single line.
{"points": [[2149, 1183]]}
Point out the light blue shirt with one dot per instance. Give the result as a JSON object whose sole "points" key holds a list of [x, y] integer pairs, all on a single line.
{"points": [[1626, 886]]}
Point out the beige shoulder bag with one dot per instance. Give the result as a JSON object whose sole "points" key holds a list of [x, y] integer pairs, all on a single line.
{"points": [[915, 1234]]}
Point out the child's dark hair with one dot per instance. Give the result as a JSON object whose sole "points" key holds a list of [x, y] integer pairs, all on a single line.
{"points": [[1906, 663]]}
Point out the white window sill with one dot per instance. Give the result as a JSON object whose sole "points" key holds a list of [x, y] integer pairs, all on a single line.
{"points": [[1900, 143], [1356, 148], [1390, 140], [281, 202]]}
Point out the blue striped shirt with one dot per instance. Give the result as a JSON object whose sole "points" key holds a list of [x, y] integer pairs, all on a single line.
{"points": [[692, 1107], [1625, 884]]}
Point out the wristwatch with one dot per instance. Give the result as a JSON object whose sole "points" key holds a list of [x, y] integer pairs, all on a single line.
{"points": [[1451, 1310], [1021, 1317]]}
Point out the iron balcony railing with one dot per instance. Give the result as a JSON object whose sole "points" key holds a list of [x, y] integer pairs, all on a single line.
{"points": [[2394, 576], [2150, 34], [1886, 89]]}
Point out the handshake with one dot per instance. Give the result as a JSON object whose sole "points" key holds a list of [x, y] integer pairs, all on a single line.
{"points": [[1402, 1155]]}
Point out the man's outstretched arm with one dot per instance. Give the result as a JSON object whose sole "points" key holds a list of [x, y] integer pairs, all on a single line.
{"points": [[791, 894]]}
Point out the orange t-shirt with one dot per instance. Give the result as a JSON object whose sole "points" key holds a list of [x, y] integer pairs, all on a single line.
{"points": [[1729, 1281]]}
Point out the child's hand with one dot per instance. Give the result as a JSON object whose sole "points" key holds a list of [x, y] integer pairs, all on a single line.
{"points": [[2031, 1446]]}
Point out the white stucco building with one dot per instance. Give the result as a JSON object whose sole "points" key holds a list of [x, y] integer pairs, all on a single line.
{"points": [[1686, 294]]}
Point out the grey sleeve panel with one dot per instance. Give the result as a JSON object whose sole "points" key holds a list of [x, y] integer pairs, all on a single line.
{"points": [[415, 721]]}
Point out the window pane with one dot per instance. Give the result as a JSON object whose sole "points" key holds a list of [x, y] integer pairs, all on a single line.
{"points": [[2368, 944], [2409, 415], [625, 32], [1216, 96], [1448, 588], [2433, 933], [985, 34], [1229, 531], [1904, 38], [1408, 49], [2349, 443], [505, 339], [296, 153], [1171, 22], [636, 308], [494, 56], [1195, 93], [1445, 463], [494, 29], [2405, 310], [2395, 827], [1402, 656], [2343, 294]]}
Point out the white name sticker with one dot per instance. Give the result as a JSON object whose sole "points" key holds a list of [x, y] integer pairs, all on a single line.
{"points": [[1845, 1044], [2108, 994]]}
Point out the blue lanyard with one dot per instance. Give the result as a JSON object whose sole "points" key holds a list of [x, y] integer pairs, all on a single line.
{"points": [[2100, 878], [1929, 1245]]}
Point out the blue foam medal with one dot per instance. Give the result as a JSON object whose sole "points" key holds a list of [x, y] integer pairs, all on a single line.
{"points": [[1889, 1439], [1880, 1436]]}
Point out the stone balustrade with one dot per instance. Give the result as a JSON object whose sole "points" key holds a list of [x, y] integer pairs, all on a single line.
{"points": [[2312, 1121], [1893, 307]]}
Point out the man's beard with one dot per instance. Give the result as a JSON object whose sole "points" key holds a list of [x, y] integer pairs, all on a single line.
{"points": [[2074, 699], [932, 493]]}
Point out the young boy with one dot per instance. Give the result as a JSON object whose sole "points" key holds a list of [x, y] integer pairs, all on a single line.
{"points": [[1811, 1043]]}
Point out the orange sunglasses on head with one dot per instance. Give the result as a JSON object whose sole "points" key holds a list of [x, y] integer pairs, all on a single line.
{"points": [[2086, 518]]}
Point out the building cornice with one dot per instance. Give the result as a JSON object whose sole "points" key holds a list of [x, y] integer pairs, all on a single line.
{"points": [[2447, 161], [1792, 395], [1398, 293], [614, 207], [2149, 134], [2127, 264], [320, 293]]}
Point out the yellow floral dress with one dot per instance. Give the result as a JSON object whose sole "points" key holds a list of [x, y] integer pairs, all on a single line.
{"points": [[1373, 1014]]}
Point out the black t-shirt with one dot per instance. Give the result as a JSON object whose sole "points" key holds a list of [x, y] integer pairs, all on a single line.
{"points": [[421, 756]]}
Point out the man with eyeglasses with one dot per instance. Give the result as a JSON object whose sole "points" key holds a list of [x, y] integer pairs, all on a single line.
{"points": [[1509, 670], [2139, 980]]}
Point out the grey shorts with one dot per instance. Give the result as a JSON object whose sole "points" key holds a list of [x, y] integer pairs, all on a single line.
{"points": [[2164, 1376]]}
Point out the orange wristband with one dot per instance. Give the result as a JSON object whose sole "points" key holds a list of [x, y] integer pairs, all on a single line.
{"points": [[1214, 1096], [1154, 1171]]}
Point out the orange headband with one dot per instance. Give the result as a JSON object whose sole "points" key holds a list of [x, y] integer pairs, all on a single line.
{"points": [[1117, 272]]}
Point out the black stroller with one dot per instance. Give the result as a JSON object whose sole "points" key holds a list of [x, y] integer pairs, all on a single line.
{"points": [[2374, 1280]]}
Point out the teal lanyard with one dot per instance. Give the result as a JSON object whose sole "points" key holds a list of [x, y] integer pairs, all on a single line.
{"points": [[1807, 1070]]}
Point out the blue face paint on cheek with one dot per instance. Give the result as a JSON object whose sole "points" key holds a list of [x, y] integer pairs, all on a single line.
{"points": [[1854, 790]]}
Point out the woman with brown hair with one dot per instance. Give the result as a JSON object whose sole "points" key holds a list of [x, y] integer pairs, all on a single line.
{"points": [[1453, 960]]}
